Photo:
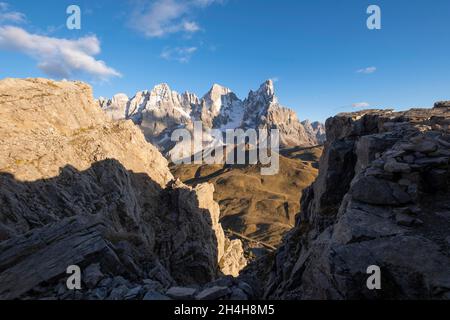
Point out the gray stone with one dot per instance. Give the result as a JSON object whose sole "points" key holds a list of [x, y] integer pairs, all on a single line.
{"points": [[426, 147], [118, 293], [154, 295], [377, 191], [133, 293], [432, 161], [409, 158], [107, 282], [92, 275], [404, 182], [120, 281], [246, 288], [394, 167], [45, 253], [213, 293], [152, 285], [442, 104], [99, 293], [181, 293], [444, 143], [407, 221], [238, 294], [376, 172], [364, 225]]}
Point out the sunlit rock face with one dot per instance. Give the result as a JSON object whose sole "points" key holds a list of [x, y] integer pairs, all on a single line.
{"points": [[161, 111], [78, 188]]}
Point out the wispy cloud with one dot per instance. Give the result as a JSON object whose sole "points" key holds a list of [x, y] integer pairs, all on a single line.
{"points": [[163, 17], [9, 16], [275, 79], [359, 105], [57, 57], [182, 55], [367, 70]]}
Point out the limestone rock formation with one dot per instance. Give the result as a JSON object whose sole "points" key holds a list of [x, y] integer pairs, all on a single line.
{"points": [[80, 189], [382, 198], [160, 111], [318, 130]]}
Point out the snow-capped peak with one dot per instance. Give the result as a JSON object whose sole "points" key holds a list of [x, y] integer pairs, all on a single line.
{"points": [[120, 97], [267, 89], [216, 97], [161, 92], [161, 110]]}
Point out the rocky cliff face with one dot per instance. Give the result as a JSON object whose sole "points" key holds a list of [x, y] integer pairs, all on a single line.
{"points": [[382, 198], [263, 111], [160, 111], [317, 129], [79, 189]]}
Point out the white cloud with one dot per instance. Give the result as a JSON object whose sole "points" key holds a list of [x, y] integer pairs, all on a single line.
{"points": [[163, 17], [182, 55], [60, 58], [6, 15], [367, 70], [191, 27], [275, 79], [361, 105]]}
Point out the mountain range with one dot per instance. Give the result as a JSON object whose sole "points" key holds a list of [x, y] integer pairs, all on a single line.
{"points": [[158, 112]]}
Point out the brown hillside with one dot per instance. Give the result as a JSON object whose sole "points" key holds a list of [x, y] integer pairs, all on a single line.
{"points": [[260, 207]]}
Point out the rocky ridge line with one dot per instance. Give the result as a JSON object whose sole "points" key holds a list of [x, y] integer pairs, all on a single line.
{"points": [[160, 111], [382, 198], [79, 189]]}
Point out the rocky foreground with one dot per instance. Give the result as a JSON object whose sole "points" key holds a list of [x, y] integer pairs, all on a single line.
{"points": [[382, 198], [79, 189]]}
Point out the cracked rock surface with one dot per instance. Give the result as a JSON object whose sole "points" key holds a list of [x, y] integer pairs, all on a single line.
{"points": [[382, 198], [77, 188]]}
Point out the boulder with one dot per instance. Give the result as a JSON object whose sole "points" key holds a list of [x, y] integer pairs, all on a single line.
{"points": [[181, 293], [154, 295], [133, 293], [212, 293], [376, 191], [44, 254], [407, 221], [238, 294], [393, 166], [92, 275], [118, 293]]}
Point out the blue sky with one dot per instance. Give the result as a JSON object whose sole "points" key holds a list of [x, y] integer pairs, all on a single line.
{"points": [[320, 53]]}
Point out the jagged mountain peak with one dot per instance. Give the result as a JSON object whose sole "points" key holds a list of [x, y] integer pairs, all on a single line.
{"points": [[264, 95], [120, 96], [159, 111], [267, 86], [163, 91], [161, 86], [216, 93], [267, 89], [218, 89]]}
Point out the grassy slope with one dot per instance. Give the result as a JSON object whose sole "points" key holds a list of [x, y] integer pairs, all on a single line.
{"points": [[261, 207]]}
